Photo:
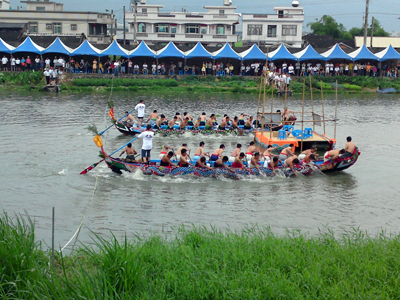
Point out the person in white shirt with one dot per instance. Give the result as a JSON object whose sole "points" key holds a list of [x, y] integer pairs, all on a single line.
{"points": [[297, 68], [284, 67], [147, 137], [291, 69], [145, 66], [154, 68], [47, 62], [47, 75], [37, 63], [12, 64], [4, 62], [136, 69], [140, 108], [116, 68], [18, 64]]}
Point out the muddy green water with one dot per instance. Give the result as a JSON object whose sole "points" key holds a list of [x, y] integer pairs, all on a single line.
{"points": [[45, 144]]}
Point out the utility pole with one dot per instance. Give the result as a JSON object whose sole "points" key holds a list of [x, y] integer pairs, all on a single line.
{"points": [[134, 22], [366, 22], [124, 28], [372, 30]]}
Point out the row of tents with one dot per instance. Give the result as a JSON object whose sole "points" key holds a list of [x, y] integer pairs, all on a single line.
{"points": [[198, 51]]}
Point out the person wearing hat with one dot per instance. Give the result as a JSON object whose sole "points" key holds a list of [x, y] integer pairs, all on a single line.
{"points": [[147, 137]]}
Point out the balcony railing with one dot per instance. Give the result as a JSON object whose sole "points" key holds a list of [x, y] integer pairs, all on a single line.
{"points": [[142, 34], [193, 36], [166, 35], [166, 15], [194, 16], [219, 36], [142, 14], [220, 16]]}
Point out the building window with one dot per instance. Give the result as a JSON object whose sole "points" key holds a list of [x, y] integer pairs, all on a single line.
{"points": [[173, 29], [192, 28], [162, 28], [144, 10], [221, 12], [49, 26], [40, 8], [254, 29], [141, 27], [33, 27], [203, 29], [74, 27], [290, 30], [220, 29], [57, 28], [271, 30]]}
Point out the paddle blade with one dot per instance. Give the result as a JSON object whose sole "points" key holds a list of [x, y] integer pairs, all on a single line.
{"points": [[90, 168], [97, 140]]}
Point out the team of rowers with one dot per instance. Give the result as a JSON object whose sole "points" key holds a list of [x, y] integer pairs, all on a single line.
{"points": [[209, 123]]}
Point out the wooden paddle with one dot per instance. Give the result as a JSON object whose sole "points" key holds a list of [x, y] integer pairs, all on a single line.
{"points": [[101, 133]]}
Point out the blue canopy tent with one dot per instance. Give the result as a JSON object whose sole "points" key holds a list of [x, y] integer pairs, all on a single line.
{"points": [[86, 49], [281, 53], [198, 51], [58, 47], [28, 46], [4, 47], [253, 53], [142, 50], [226, 52], [170, 51], [115, 49], [388, 54], [362, 53], [336, 53], [309, 54]]}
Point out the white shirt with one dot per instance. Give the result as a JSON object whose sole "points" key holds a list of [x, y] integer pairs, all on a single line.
{"points": [[291, 69], [4, 60], [140, 109], [18, 61], [147, 137], [145, 66], [47, 61], [13, 61], [46, 73], [37, 60]]}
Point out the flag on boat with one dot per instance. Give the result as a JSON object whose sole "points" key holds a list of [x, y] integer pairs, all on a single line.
{"points": [[111, 113]]}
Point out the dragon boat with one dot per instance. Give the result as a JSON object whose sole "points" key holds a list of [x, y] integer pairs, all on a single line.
{"points": [[165, 131]]}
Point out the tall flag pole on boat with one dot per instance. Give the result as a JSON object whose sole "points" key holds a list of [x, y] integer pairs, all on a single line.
{"points": [[302, 116], [111, 113], [312, 103], [99, 143], [323, 109]]}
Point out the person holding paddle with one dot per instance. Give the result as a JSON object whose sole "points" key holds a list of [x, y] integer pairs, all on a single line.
{"points": [[217, 153], [183, 161], [166, 160], [130, 153], [200, 152]]}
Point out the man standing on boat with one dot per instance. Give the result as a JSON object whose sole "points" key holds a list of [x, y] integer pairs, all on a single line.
{"points": [[147, 137], [349, 148], [140, 107]]}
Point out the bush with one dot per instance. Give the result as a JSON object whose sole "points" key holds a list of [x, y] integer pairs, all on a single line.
{"points": [[325, 86], [352, 87]]}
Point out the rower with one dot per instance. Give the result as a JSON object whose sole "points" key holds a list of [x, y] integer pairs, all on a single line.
{"points": [[178, 116], [268, 155], [197, 123], [251, 150], [200, 152], [248, 124], [235, 124], [160, 122], [286, 152], [164, 150], [203, 119], [236, 152], [184, 123], [332, 155], [255, 161], [153, 118], [291, 162], [130, 153], [349, 148], [309, 160], [166, 160], [273, 164], [210, 122], [305, 153], [190, 118], [238, 163], [224, 124], [217, 153], [129, 119], [171, 123], [179, 152], [241, 119], [220, 163], [183, 161], [201, 163]]}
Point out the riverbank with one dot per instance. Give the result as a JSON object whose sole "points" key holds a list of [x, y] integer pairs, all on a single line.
{"points": [[200, 263], [193, 84]]}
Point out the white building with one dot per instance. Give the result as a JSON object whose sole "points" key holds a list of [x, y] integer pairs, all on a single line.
{"points": [[285, 26], [213, 28], [4, 4], [46, 18]]}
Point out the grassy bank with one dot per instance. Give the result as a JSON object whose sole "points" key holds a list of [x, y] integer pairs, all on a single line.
{"points": [[203, 264]]}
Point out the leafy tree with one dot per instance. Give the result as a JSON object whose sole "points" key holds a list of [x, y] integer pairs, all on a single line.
{"points": [[327, 26]]}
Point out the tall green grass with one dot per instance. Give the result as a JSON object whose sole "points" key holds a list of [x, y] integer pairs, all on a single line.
{"points": [[201, 263]]}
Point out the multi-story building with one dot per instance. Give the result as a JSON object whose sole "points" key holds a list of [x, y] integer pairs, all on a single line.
{"points": [[285, 26], [4, 4], [46, 18], [215, 27]]}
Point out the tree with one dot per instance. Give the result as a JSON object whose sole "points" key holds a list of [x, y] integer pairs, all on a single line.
{"points": [[327, 26]]}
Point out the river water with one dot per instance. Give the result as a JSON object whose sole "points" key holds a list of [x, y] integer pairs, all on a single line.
{"points": [[45, 144]]}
